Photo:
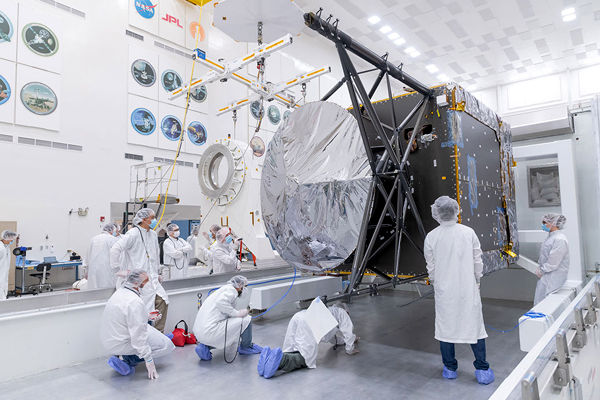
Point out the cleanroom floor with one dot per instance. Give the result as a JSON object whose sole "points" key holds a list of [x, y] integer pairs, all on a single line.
{"points": [[399, 358]]}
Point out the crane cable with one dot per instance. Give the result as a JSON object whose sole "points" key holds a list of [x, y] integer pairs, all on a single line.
{"points": [[187, 106]]}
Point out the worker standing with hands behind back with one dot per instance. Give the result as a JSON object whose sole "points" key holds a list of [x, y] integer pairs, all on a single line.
{"points": [[7, 237], [176, 253], [453, 256], [139, 247], [554, 257]]}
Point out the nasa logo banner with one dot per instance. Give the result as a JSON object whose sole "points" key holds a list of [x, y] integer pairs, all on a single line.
{"points": [[145, 8]]}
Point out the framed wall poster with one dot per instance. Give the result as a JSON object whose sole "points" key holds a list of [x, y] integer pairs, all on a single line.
{"points": [[543, 185], [199, 97], [198, 134], [7, 91], [39, 40], [142, 121], [142, 73], [37, 98], [171, 76], [8, 30], [170, 126]]}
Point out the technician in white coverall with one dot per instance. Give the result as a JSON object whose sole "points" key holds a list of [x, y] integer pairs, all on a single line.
{"points": [[176, 253], [223, 252], [7, 237], [96, 266], [453, 256], [125, 331], [138, 249], [554, 257], [300, 349], [218, 317]]}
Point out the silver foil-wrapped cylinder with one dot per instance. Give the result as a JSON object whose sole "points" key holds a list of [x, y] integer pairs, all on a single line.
{"points": [[314, 187]]}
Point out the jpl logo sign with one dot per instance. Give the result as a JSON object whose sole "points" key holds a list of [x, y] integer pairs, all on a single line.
{"points": [[172, 20], [145, 8]]}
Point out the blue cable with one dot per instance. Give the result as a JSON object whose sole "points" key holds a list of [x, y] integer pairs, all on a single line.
{"points": [[277, 302], [257, 283], [529, 315]]}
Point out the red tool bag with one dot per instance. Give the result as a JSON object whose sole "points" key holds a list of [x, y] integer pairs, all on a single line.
{"points": [[182, 336]]}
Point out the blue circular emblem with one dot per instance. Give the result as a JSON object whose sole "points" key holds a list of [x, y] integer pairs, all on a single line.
{"points": [[197, 133], [171, 127], [143, 121], [145, 8], [4, 90], [6, 28]]}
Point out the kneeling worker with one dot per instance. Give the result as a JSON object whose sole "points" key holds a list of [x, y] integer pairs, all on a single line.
{"points": [[300, 349], [218, 319], [125, 331]]}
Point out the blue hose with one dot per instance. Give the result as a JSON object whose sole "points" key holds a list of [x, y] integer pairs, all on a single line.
{"points": [[529, 315], [278, 301]]}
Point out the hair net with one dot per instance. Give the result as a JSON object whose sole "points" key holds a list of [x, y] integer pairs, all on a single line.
{"points": [[117, 227], [135, 278], [341, 305], [171, 227], [111, 228], [142, 214], [557, 220], [222, 233], [8, 235], [444, 209], [238, 281], [215, 228], [195, 230]]}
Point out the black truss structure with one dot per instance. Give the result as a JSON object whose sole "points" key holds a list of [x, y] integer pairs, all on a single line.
{"points": [[391, 184]]}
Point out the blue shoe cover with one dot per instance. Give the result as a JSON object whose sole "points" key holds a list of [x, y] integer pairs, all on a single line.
{"points": [[169, 335], [273, 361], [120, 366], [255, 349], [203, 352], [449, 374], [261, 361], [484, 376]]}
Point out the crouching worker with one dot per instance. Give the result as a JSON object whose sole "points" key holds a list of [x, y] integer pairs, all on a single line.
{"points": [[300, 349], [125, 331], [218, 320]]}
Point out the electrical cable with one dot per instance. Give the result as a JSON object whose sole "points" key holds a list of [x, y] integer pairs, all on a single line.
{"points": [[278, 301], [187, 106], [529, 315], [238, 345]]}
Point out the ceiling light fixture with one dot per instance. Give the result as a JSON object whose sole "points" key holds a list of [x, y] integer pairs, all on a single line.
{"points": [[393, 36], [385, 29], [568, 14], [432, 68], [410, 50], [374, 19], [443, 78], [400, 41], [415, 54]]}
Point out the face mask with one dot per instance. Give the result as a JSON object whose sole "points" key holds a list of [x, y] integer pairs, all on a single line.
{"points": [[114, 233], [176, 234], [210, 235], [153, 223], [242, 293], [11, 242], [228, 239], [545, 228]]}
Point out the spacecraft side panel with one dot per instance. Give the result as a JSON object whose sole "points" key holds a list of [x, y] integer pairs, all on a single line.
{"points": [[480, 183]]}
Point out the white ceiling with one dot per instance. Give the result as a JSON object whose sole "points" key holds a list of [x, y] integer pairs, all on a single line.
{"points": [[477, 43]]}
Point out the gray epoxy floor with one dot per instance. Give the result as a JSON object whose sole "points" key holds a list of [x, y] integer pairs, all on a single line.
{"points": [[399, 359]]}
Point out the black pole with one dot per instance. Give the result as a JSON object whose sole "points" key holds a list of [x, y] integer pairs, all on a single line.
{"points": [[331, 32]]}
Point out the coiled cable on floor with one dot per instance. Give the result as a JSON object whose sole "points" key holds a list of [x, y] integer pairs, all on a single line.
{"points": [[529, 315]]}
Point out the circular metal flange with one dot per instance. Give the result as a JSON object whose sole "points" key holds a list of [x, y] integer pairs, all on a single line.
{"points": [[228, 153]]}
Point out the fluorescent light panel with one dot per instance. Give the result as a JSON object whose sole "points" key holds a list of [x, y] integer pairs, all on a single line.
{"points": [[374, 19], [385, 29], [570, 17], [400, 41], [432, 68], [393, 36], [568, 11], [443, 77]]}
